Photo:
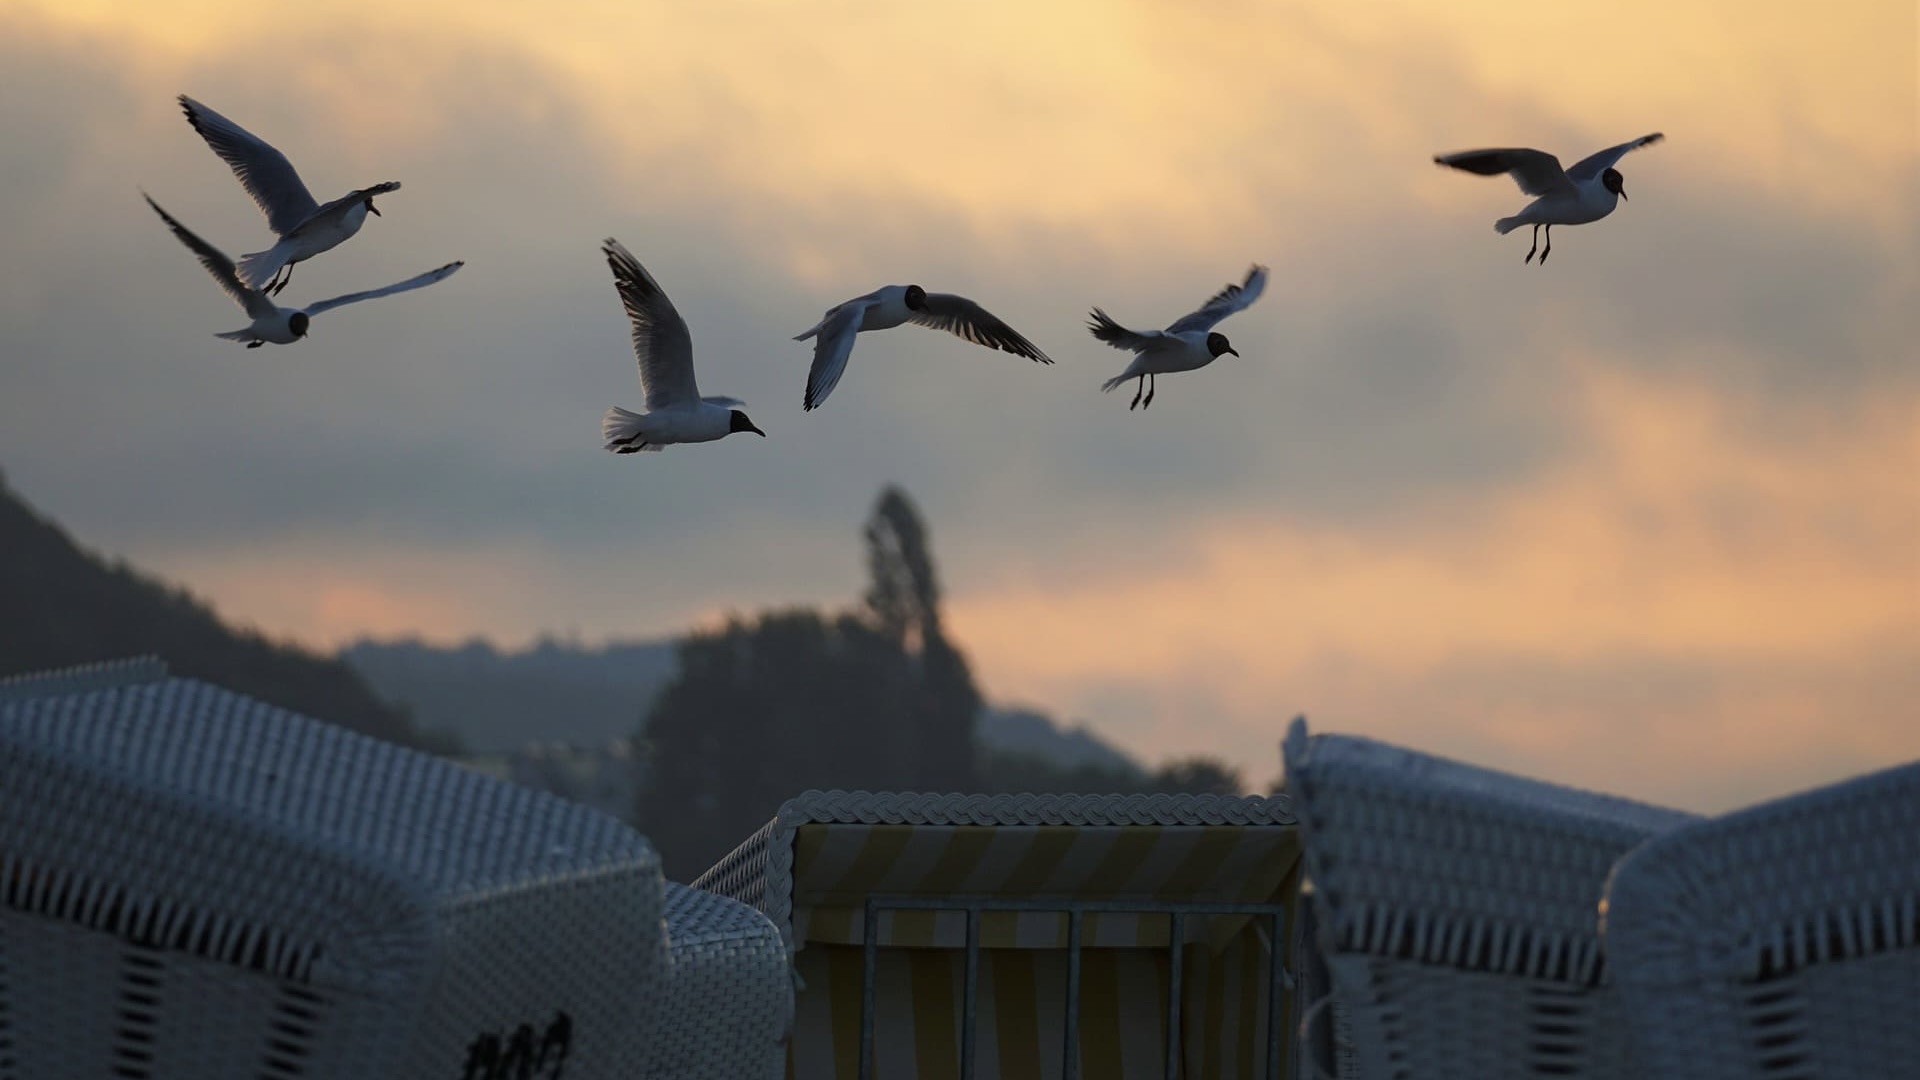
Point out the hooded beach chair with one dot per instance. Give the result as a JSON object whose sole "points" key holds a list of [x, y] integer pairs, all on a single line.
{"points": [[1457, 913], [1781, 942], [197, 884], [975, 936]]}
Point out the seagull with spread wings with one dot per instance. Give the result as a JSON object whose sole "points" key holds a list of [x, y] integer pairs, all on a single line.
{"points": [[306, 228], [676, 413], [1189, 343], [884, 309], [271, 322], [1587, 192]]}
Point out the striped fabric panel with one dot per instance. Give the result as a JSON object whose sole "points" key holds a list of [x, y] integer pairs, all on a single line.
{"points": [[1020, 1019], [836, 867]]}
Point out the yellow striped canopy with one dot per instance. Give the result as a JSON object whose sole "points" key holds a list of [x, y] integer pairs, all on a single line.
{"points": [[814, 868]]}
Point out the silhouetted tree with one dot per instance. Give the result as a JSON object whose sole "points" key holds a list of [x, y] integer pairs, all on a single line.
{"points": [[1014, 772], [765, 708], [761, 710], [1011, 771], [903, 599], [1198, 776]]}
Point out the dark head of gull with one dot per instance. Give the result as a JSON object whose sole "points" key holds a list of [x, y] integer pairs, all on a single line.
{"points": [[1217, 344], [297, 323], [737, 421], [1614, 182], [916, 298]]}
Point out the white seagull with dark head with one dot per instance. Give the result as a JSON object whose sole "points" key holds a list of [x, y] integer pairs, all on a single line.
{"points": [[884, 309], [271, 322], [1189, 343], [676, 413], [1587, 192], [306, 227]]}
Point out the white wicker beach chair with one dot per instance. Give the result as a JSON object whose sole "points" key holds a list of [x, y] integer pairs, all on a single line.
{"points": [[730, 1005], [1457, 912], [194, 884], [1028, 935], [1781, 942]]}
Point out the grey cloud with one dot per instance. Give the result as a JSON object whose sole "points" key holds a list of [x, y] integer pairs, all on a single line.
{"points": [[1401, 359]]}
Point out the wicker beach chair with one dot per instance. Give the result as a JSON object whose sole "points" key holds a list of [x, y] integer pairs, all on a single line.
{"points": [[1051, 936], [729, 1007], [1781, 942], [1457, 910], [197, 884]]}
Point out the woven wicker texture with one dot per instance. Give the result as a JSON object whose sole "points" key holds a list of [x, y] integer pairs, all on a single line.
{"points": [[730, 1006], [1458, 907], [1780, 942], [194, 883]]}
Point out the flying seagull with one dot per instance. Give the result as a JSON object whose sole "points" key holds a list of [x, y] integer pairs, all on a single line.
{"points": [[305, 228], [271, 322], [1586, 192], [884, 309], [676, 413], [1189, 343]]}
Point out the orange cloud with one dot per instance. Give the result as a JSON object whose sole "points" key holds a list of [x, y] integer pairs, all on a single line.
{"points": [[1689, 539], [1182, 120]]}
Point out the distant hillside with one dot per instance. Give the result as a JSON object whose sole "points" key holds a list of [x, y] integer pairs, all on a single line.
{"points": [[499, 701], [1025, 731], [62, 605]]}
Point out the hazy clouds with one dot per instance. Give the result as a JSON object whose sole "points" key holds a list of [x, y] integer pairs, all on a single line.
{"points": [[1541, 516]]}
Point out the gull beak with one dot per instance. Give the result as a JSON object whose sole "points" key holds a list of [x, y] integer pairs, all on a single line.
{"points": [[755, 430], [1623, 194], [374, 210], [1233, 350]]}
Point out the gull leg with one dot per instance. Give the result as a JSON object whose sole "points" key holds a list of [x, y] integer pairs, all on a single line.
{"points": [[1137, 393], [255, 344], [286, 275], [1152, 384], [1536, 242], [1549, 251]]}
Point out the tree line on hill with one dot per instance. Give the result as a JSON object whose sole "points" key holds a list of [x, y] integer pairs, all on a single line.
{"points": [[61, 605], [875, 698]]}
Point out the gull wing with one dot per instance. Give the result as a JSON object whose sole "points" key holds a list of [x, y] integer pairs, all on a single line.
{"points": [[217, 264], [965, 319], [1102, 327], [660, 339], [418, 281], [265, 172], [1589, 167], [1536, 171], [1224, 303], [831, 349]]}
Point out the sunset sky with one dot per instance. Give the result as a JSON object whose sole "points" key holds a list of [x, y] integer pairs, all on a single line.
{"points": [[1645, 520]]}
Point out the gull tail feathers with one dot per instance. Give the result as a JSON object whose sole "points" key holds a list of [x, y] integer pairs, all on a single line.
{"points": [[1507, 224], [1116, 381], [237, 335], [622, 431], [258, 268]]}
